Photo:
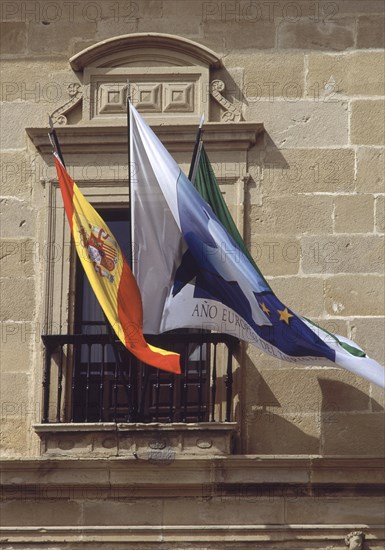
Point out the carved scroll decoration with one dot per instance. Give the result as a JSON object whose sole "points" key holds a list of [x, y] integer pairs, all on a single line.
{"points": [[232, 111], [355, 540], [75, 93]]}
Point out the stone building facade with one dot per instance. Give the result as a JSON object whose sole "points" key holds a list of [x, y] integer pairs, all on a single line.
{"points": [[293, 95]]}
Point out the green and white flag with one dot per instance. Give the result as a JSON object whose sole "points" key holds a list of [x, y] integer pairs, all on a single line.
{"points": [[347, 354], [194, 271]]}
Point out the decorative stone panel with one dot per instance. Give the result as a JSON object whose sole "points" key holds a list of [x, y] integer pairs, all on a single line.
{"points": [[179, 97], [181, 93], [148, 96], [112, 98], [152, 442], [165, 76]]}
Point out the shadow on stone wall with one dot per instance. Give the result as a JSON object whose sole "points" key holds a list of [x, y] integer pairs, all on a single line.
{"points": [[352, 422], [297, 411]]}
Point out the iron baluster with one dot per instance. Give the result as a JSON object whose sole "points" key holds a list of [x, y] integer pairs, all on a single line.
{"points": [[101, 387], [200, 368], [88, 374], [157, 394], [130, 394], [214, 384], [229, 383], [46, 383], [76, 355], [145, 374], [59, 384], [171, 398], [185, 384], [115, 386]]}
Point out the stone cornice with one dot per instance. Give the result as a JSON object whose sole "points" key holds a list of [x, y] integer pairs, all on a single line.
{"points": [[95, 54], [194, 471], [218, 136], [280, 534], [134, 427]]}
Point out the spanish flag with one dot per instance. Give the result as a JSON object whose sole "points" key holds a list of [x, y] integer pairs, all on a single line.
{"points": [[109, 275]]}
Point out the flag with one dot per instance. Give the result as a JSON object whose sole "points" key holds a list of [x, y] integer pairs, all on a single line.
{"points": [[193, 273], [207, 185], [109, 275]]}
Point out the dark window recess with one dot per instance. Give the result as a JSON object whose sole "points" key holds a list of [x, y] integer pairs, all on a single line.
{"points": [[89, 376]]}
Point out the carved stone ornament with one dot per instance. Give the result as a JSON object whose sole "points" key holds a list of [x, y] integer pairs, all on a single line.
{"points": [[59, 115], [155, 91], [232, 111], [158, 444], [167, 77], [355, 540]]}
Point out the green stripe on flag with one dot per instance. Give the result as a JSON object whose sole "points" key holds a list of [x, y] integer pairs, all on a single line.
{"points": [[207, 185], [353, 351], [347, 347]]}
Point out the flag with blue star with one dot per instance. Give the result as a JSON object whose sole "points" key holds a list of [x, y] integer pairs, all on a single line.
{"points": [[193, 273]]}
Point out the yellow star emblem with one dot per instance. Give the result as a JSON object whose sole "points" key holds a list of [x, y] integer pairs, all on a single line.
{"points": [[284, 315], [265, 309]]}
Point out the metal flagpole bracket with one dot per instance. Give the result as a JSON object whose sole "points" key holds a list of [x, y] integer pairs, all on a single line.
{"points": [[52, 136], [197, 151], [128, 92]]}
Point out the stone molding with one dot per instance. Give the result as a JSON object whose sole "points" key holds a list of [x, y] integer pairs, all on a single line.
{"points": [[167, 77], [121, 47], [134, 427], [300, 536], [235, 480], [349, 472], [218, 136]]}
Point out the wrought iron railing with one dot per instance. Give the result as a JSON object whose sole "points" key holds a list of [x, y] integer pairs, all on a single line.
{"points": [[93, 378]]}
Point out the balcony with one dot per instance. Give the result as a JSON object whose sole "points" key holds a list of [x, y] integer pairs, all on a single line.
{"points": [[92, 384]]}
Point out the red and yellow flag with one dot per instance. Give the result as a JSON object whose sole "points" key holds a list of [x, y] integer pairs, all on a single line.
{"points": [[109, 275]]}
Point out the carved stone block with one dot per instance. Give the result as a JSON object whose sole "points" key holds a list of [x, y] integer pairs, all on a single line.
{"points": [[112, 98], [179, 97], [147, 96]]}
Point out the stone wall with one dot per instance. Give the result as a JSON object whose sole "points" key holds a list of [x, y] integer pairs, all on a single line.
{"points": [[313, 73]]}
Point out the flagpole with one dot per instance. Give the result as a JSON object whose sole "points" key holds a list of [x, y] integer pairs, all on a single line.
{"points": [[54, 141], [196, 164], [145, 370], [129, 205], [197, 151]]}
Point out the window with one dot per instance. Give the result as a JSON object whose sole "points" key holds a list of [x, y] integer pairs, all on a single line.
{"points": [[103, 382], [86, 377]]}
